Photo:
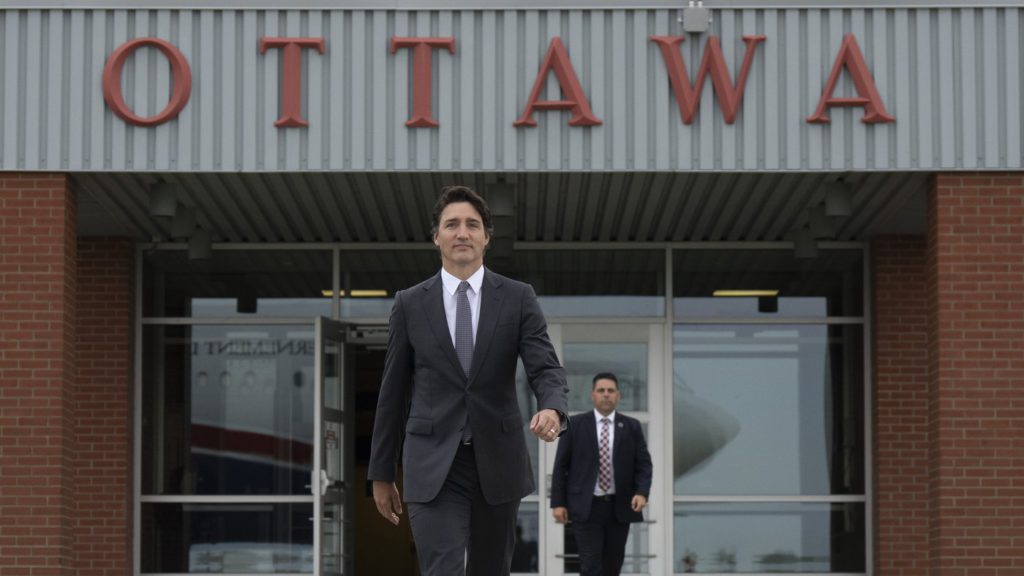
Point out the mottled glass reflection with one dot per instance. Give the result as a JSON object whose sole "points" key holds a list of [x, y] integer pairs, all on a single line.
{"points": [[526, 555], [227, 409], [226, 538], [830, 285], [237, 283], [768, 409], [627, 360], [769, 537]]}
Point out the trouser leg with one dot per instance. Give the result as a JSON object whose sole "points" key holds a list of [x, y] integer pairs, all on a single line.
{"points": [[615, 536], [441, 527], [492, 537]]}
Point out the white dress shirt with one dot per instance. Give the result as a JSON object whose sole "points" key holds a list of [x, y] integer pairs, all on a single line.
{"points": [[451, 285], [611, 450]]}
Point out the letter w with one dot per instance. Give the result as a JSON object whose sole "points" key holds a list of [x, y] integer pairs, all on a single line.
{"points": [[687, 95]]}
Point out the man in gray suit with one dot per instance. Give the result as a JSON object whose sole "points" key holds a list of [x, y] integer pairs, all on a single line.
{"points": [[452, 348]]}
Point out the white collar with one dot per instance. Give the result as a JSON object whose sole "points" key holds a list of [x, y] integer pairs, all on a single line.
{"points": [[610, 416], [451, 283]]}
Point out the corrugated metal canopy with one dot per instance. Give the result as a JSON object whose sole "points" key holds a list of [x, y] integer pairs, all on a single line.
{"points": [[548, 207]]}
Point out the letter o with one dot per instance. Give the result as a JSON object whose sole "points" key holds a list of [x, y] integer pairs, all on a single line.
{"points": [[180, 73]]}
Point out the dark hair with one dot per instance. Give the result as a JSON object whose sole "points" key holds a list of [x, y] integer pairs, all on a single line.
{"points": [[452, 194], [604, 376]]}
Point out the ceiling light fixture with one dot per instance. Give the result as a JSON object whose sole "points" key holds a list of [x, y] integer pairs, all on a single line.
{"points": [[744, 293], [357, 293]]}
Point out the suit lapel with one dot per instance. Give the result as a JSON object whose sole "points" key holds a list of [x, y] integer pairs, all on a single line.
{"points": [[590, 433], [434, 306], [620, 431], [492, 296]]}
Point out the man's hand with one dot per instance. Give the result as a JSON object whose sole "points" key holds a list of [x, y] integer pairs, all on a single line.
{"points": [[639, 502], [561, 514], [389, 503], [546, 424]]}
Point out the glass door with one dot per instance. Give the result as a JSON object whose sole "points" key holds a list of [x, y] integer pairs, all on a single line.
{"points": [[331, 483], [633, 352]]}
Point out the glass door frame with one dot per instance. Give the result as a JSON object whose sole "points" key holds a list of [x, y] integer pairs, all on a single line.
{"points": [[551, 553], [320, 326], [329, 442]]}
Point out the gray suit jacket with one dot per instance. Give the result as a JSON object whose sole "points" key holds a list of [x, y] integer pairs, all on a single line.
{"points": [[421, 371]]}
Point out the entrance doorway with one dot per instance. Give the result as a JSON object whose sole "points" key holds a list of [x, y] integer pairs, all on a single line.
{"points": [[380, 548]]}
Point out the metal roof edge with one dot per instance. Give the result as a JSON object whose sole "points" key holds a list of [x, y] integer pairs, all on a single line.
{"points": [[275, 5]]}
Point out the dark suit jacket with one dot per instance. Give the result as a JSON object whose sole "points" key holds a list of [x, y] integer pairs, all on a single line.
{"points": [[576, 463], [421, 364]]}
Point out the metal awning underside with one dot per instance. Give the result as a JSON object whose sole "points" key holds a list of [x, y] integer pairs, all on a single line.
{"points": [[548, 207]]}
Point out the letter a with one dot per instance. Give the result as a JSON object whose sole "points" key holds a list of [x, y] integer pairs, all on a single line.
{"points": [[850, 57], [558, 60]]}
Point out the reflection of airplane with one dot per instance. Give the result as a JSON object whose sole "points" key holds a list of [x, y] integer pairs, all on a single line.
{"points": [[701, 428]]}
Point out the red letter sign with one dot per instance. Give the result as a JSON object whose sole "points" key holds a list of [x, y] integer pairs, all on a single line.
{"points": [[688, 96], [180, 73], [422, 76], [291, 72], [558, 59], [851, 57]]}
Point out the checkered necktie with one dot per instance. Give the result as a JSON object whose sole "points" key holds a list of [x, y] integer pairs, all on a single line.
{"points": [[463, 328], [604, 474], [464, 340]]}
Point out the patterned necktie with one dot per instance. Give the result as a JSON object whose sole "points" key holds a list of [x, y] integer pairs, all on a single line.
{"points": [[463, 328], [604, 475], [464, 341]]}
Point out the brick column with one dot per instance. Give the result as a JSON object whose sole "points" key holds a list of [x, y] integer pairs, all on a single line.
{"points": [[37, 373], [900, 344], [976, 374], [103, 423]]}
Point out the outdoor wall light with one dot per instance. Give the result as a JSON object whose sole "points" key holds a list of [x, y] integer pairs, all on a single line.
{"points": [[805, 246], [184, 221], [819, 223], [839, 199], [200, 245], [163, 201]]}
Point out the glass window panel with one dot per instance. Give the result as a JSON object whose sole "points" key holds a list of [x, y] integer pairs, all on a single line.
{"points": [[569, 283], [237, 283], [637, 551], [227, 409], [627, 360], [226, 538], [386, 271], [769, 537], [785, 401], [585, 283], [830, 285], [525, 556]]}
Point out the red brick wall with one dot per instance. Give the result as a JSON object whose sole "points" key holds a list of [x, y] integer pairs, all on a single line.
{"points": [[976, 374], [104, 395], [900, 343], [37, 372]]}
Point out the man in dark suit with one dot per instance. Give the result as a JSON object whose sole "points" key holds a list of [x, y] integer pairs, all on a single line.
{"points": [[602, 479], [452, 348]]}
